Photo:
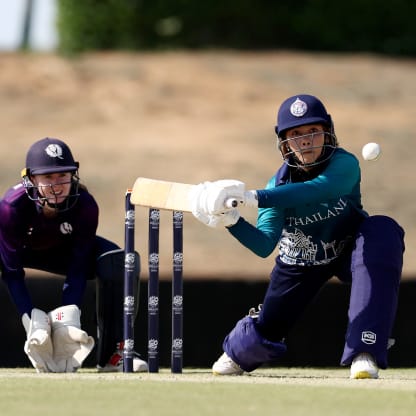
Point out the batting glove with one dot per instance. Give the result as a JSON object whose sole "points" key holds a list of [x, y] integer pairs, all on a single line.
{"points": [[213, 197]]}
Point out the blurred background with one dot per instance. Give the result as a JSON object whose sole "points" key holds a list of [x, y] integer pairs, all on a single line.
{"points": [[188, 91]]}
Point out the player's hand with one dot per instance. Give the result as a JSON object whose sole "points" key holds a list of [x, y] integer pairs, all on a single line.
{"points": [[225, 219], [71, 345], [38, 345], [229, 218], [210, 198]]}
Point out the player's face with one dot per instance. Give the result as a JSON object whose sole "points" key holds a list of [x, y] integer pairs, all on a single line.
{"points": [[306, 142], [55, 187]]}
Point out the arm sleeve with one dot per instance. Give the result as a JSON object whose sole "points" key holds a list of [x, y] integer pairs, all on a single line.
{"points": [[82, 263], [11, 259], [338, 179], [262, 238]]}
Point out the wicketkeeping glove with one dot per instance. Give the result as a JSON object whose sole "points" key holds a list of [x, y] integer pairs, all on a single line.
{"points": [[38, 345], [71, 345]]}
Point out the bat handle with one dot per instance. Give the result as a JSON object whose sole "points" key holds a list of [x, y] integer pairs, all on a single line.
{"points": [[231, 203]]}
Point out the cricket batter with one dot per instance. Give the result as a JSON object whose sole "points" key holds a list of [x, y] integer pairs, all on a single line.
{"points": [[311, 210], [48, 222]]}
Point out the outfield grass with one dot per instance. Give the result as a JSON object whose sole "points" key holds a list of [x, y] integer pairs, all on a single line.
{"points": [[275, 391]]}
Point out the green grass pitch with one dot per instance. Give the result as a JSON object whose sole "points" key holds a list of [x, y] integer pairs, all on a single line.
{"points": [[268, 391]]}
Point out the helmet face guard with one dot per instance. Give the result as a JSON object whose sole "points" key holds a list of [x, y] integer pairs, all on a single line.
{"points": [[34, 193], [48, 156], [292, 152], [301, 110]]}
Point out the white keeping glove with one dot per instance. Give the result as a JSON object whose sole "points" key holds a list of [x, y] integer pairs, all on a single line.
{"points": [[211, 197], [38, 345], [71, 345]]}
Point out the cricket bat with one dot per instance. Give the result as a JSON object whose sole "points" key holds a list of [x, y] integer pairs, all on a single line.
{"points": [[173, 196]]}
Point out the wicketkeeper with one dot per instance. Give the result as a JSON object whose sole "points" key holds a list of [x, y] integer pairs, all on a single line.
{"points": [[48, 222], [311, 210]]}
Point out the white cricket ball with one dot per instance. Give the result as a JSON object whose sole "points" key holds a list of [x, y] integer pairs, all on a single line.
{"points": [[371, 151]]}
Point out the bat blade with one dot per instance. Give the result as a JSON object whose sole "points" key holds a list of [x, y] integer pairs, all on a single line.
{"points": [[160, 194]]}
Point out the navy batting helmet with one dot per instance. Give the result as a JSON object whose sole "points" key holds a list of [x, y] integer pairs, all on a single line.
{"points": [[50, 155], [300, 110]]}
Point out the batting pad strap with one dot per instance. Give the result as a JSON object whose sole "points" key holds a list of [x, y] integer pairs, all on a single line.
{"points": [[248, 348]]}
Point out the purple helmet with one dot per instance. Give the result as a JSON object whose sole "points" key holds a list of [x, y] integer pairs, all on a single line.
{"points": [[50, 155], [300, 110]]}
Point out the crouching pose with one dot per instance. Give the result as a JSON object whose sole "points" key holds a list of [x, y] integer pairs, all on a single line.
{"points": [[48, 222], [311, 210]]}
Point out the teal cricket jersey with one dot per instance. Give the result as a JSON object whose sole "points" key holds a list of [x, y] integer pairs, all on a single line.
{"points": [[311, 221]]}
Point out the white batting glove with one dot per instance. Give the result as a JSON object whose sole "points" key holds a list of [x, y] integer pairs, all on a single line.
{"points": [[250, 199], [70, 343], [212, 221], [226, 219], [222, 191], [38, 345], [212, 197], [229, 218]]}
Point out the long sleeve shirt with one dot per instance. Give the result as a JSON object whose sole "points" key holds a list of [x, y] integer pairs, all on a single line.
{"points": [[311, 221], [61, 244]]}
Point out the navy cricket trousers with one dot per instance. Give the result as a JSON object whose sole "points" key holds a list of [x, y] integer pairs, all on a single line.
{"points": [[372, 266]]}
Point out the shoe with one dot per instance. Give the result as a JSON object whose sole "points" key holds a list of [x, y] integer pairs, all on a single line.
{"points": [[115, 363], [364, 366], [225, 366]]}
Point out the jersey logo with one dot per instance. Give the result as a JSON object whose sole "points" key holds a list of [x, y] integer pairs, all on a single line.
{"points": [[54, 150], [297, 245], [65, 228], [368, 337], [298, 108]]}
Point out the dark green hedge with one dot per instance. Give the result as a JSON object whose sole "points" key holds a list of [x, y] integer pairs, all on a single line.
{"points": [[322, 25]]}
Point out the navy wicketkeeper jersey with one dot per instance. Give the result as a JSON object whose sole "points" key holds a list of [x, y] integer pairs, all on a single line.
{"points": [[310, 221], [61, 244]]}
